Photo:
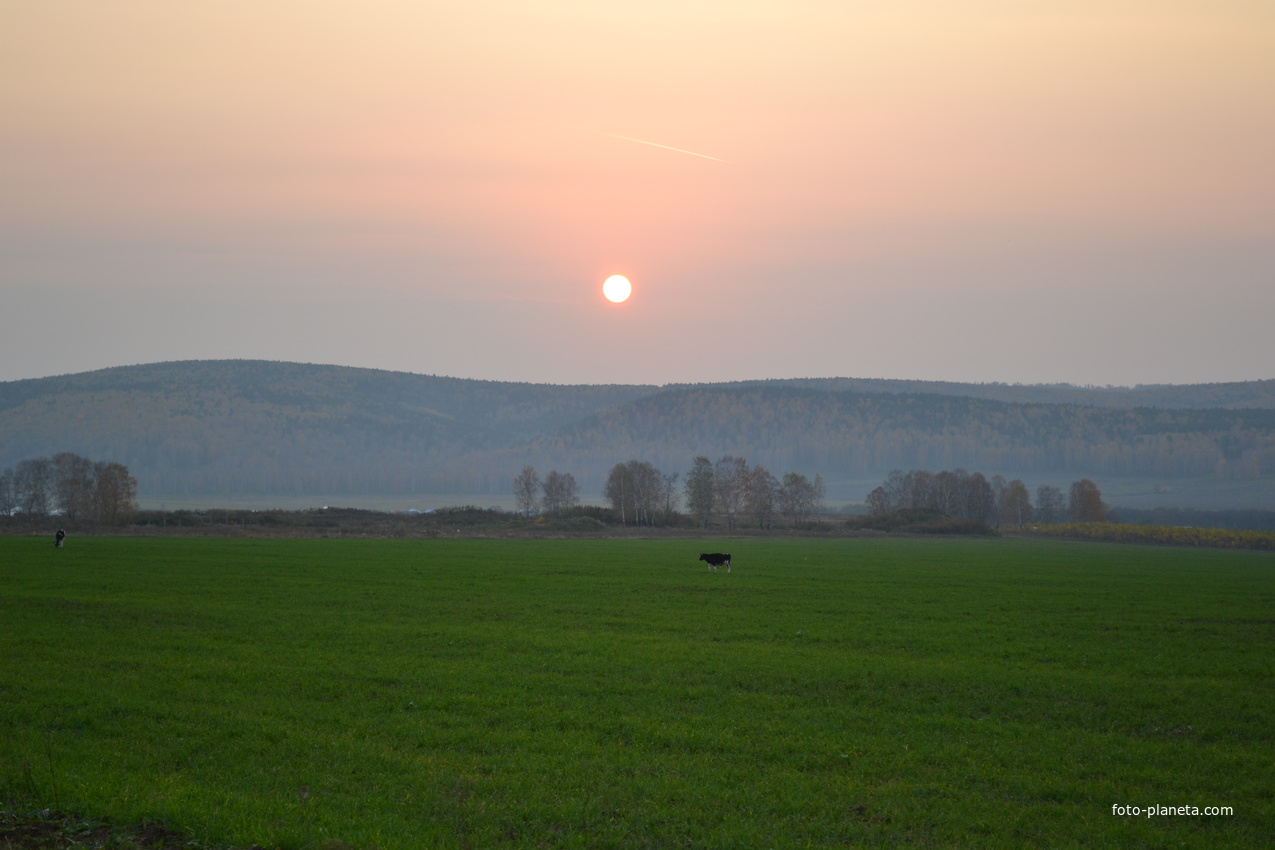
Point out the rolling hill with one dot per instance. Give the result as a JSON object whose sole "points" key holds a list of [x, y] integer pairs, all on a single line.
{"points": [[240, 427]]}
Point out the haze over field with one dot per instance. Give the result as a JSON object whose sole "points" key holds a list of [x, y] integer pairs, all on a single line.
{"points": [[971, 191]]}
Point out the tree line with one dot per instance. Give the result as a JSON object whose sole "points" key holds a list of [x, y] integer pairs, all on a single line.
{"points": [[994, 501], [81, 489], [640, 494], [738, 492], [554, 495]]}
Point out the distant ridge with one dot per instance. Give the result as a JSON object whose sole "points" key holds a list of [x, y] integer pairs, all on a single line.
{"points": [[250, 426], [1232, 396]]}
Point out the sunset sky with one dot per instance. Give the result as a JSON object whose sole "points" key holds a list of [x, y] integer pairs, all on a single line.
{"points": [[975, 191]]}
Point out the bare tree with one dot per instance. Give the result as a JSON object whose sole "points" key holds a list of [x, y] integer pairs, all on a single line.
{"points": [[1016, 504], [74, 487], [878, 501], [818, 495], [999, 488], [635, 490], [948, 487], [527, 490], [1049, 503], [31, 487], [618, 490], [701, 490], [760, 494], [1085, 504], [668, 486], [923, 490], [730, 477], [797, 497], [6, 493], [648, 490], [561, 493], [115, 492], [568, 492], [894, 492], [978, 502]]}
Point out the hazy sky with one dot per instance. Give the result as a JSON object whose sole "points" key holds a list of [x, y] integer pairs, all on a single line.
{"points": [[983, 191]]}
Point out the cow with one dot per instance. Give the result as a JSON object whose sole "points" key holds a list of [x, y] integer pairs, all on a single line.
{"points": [[715, 560], [58, 538]]}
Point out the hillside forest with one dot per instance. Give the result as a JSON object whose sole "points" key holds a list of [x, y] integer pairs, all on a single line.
{"points": [[243, 427]]}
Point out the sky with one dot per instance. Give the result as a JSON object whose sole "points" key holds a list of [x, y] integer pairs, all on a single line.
{"points": [[969, 190]]}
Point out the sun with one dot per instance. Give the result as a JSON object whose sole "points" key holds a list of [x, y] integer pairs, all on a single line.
{"points": [[617, 288]]}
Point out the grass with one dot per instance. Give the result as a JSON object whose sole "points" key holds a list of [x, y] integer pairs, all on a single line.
{"points": [[612, 693]]}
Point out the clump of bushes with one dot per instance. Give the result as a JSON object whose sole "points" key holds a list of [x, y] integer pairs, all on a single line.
{"points": [[1215, 538], [577, 523]]}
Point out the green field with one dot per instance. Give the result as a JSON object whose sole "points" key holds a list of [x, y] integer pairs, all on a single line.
{"points": [[613, 693]]}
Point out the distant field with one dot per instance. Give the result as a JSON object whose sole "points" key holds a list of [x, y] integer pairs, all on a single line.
{"points": [[612, 693]]}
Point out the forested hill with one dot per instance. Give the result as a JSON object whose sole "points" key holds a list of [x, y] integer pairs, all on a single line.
{"points": [[1230, 396], [850, 435], [259, 426], [266, 427]]}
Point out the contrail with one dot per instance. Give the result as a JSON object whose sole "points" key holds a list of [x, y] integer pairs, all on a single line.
{"points": [[658, 145]]}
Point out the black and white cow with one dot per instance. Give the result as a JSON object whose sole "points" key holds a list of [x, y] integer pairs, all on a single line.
{"points": [[716, 559]]}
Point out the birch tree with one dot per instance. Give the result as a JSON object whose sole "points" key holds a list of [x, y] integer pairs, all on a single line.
{"points": [[759, 495], [730, 478], [701, 490], [1016, 504], [527, 490], [1049, 503], [560, 492]]}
